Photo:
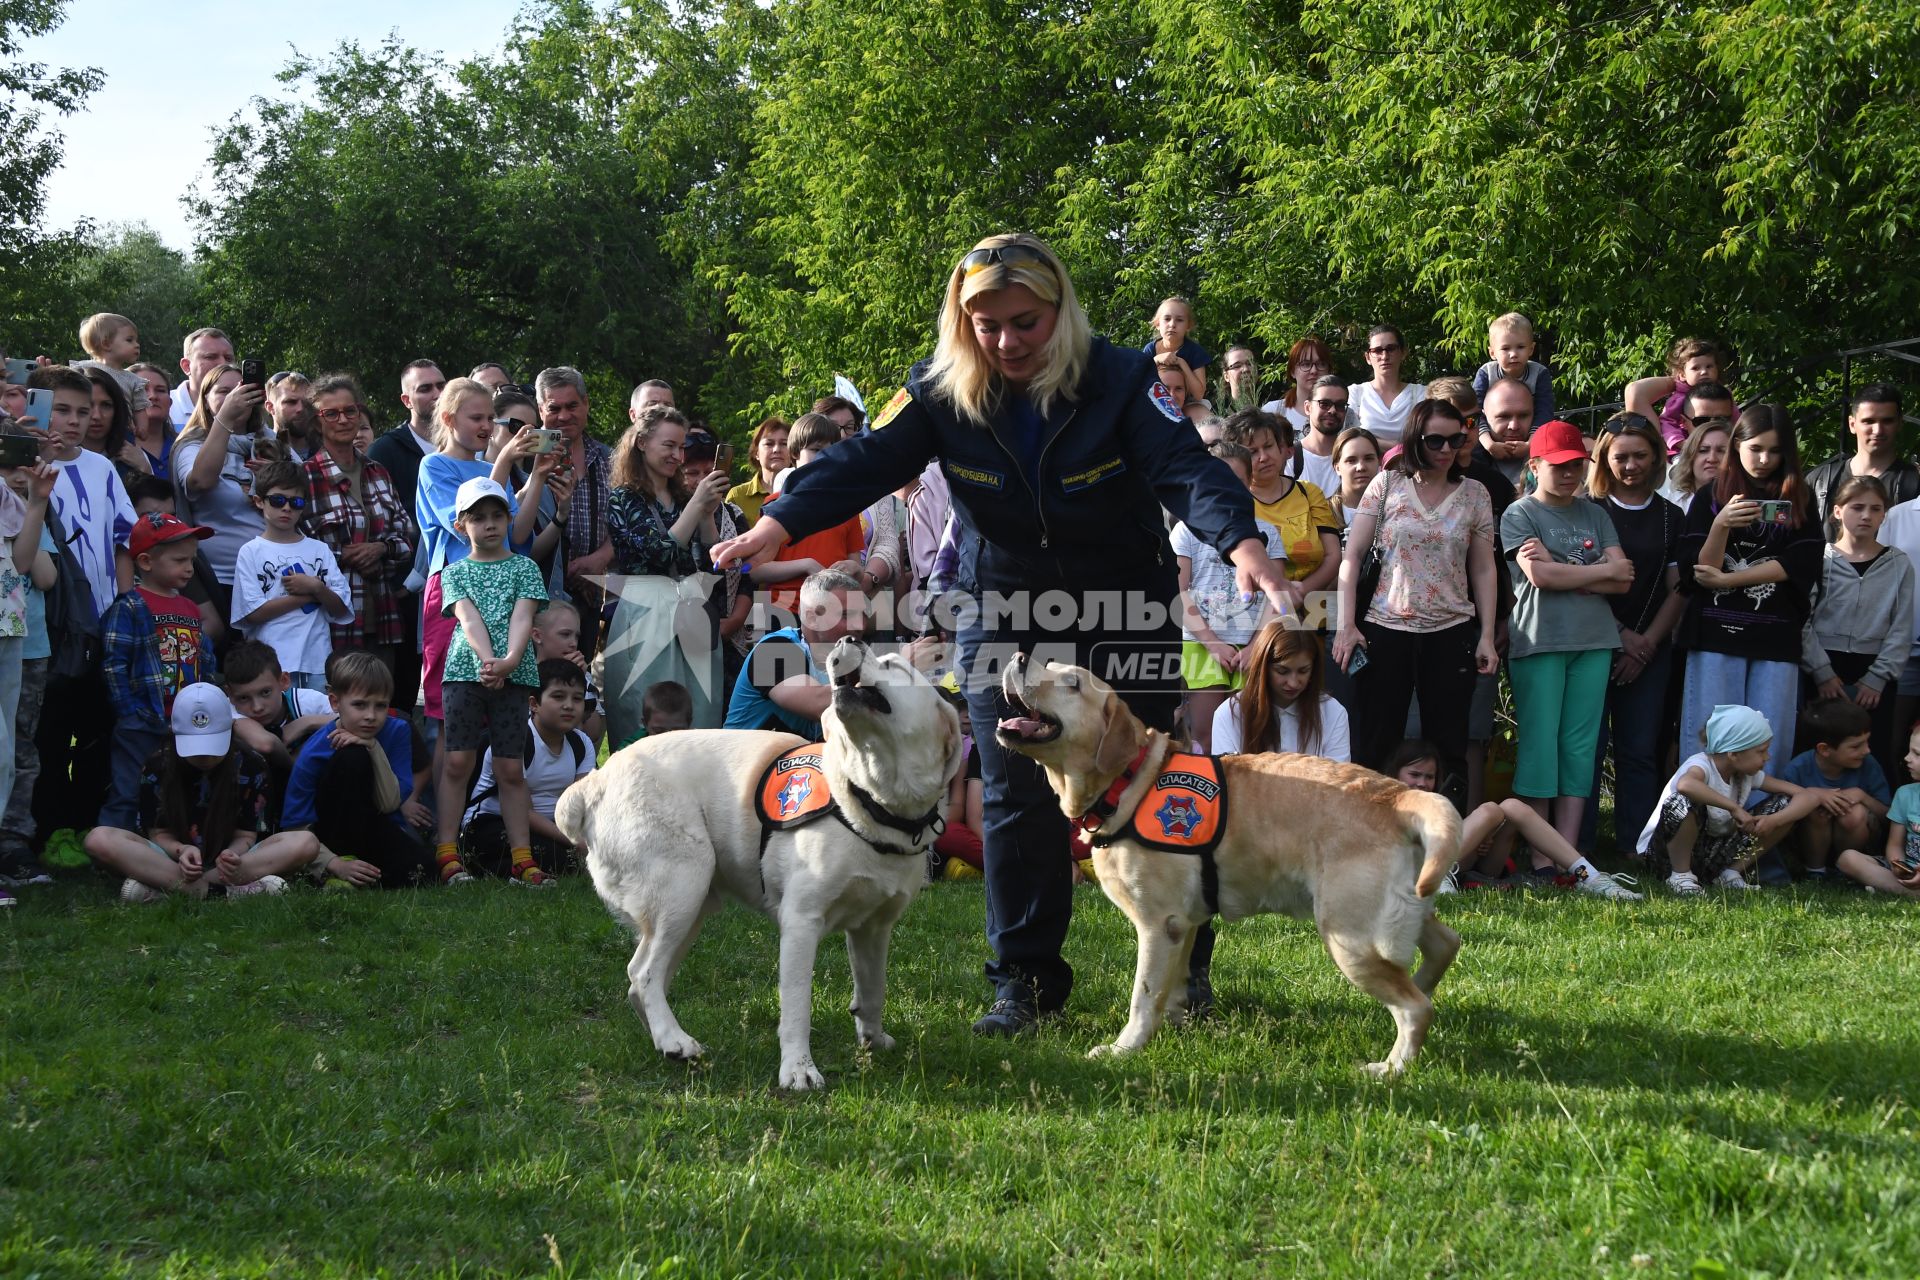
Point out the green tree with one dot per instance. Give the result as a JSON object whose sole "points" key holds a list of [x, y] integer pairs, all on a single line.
{"points": [[485, 212], [129, 269], [31, 259]]}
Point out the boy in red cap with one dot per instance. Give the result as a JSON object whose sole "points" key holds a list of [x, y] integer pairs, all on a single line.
{"points": [[154, 647]]}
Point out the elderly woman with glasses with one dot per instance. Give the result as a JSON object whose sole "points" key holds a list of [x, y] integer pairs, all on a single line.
{"points": [[355, 511], [1429, 624], [1060, 450]]}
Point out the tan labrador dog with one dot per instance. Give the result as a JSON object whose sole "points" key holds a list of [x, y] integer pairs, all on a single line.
{"points": [[671, 830], [1359, 854]]}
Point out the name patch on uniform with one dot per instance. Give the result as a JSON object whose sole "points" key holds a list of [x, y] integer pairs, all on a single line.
{"points": [[973, 475], [1164, 402], [1093, 475], [794, 790], [900, 401]]}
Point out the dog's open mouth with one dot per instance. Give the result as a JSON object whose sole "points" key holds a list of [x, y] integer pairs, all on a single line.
{"points": [[849, 692], [1027, 723]]}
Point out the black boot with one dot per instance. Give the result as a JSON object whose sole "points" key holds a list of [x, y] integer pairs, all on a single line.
{"points": [[1199, 995], [1014, 1012]]}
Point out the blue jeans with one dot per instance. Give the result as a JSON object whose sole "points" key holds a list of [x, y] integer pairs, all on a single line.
{"points": [[1634, 725], [133, 742], [1771, 688], [1029, 876]]}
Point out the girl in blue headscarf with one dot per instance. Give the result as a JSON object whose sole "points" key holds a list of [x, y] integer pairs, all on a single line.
{"points": [[1709, 821]]}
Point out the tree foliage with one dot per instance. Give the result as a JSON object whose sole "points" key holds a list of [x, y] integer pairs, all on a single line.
{"points": [[33, 260], [749, 199]]}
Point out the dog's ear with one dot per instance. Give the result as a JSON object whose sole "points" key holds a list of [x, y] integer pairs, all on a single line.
{"points": [[1121, 736]]}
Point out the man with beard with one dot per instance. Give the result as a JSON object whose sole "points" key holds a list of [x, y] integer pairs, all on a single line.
{"points": [[290, 405], [1326, 406]]}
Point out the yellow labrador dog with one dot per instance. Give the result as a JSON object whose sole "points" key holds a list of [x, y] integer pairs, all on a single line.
{"points": [[1360, 854], [672, 826]]}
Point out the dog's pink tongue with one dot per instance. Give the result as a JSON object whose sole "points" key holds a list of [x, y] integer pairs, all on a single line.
{"points": [[1021, 726]]}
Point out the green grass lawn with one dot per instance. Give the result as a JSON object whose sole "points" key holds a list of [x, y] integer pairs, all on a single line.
{"points": [[452, 1084]]}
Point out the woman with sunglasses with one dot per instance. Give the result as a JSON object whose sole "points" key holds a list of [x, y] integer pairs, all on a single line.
{"points": [[1060, 450], [354, 510], [1382, 404], [1430, 623]]}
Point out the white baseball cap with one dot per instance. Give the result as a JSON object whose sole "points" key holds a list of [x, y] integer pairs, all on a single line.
{"points": [[202, 721], [477, 490]]}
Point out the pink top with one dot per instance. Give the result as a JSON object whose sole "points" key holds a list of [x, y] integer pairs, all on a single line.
{"points": [[1423, 580]]}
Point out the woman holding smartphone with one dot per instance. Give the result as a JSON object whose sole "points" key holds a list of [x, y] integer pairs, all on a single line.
{"points": [[1750, 553], [213, 467]]}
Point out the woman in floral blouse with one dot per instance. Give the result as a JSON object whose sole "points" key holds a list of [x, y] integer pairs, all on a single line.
{"points": [[661, 534], [1430, 624], [355, 512]]}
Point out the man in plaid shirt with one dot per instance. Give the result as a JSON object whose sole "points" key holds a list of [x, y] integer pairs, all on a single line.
{"points": [[153, 648], [588, 547]]}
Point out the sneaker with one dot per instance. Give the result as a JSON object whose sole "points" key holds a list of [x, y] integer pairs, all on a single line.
{"points": [[1199, 996], [134, 891], [534, 878], [1547, 877], [19, 868], [1010, 1016], [1602, 885], [267, 885], [7, 899], [1451, 884], [459, 877], [1685, 884], [1732, 879]]}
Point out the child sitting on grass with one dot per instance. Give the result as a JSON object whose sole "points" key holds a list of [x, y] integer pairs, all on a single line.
{"points": [[558, 754], [666, 707], [202, 814], [1896, 868], [271, 717], [347, 781], [1704, 824], [1840, 768], [1488, 835], [556, 634]]}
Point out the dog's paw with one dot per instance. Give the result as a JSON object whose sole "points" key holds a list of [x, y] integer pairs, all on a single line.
{"points": [[1108, 1051], [1382, 1070], [879, 1041], [801, 1076], [680, 1047]]}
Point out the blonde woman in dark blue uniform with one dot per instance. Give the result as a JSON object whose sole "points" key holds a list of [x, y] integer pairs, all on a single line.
{"points": [[1060, 450]]}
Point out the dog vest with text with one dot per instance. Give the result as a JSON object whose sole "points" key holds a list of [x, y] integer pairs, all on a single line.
{"points": [[1184, 809], [794, 791]]}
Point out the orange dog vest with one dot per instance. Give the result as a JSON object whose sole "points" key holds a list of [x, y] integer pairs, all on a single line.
{"points": [[794, 791], [1184, 810]]}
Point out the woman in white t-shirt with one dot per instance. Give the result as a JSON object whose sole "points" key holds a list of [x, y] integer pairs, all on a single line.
{"points": [[1282, 707], [1382, 405]]}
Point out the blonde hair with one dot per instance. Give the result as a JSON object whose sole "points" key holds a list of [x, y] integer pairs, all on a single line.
{"points": [[1456, 391], [960, 372], [97, 329], [200, 421], [1512, 322], [449, 404]]}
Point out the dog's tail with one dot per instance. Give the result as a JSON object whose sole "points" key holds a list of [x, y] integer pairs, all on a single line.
{"points": [[1437, 825], [574, 810]]}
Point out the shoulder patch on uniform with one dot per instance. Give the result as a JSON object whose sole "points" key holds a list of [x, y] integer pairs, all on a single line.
{"points": [[901, 399], [1162, 400]]}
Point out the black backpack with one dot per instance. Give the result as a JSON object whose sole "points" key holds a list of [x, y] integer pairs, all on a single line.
{"points": [[73, 619], [577, 741]]}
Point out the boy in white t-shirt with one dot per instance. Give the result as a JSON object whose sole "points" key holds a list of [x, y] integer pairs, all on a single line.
{"points": [[1216, 624], [560, 754], [287, 587]]}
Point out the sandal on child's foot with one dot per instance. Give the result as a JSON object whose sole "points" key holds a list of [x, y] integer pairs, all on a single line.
{"points": [[533, 878], [457, 875]]}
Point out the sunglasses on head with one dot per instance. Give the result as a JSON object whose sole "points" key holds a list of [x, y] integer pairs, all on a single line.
{"points": [[1005, 254], [280, 500], [1434, 443]]}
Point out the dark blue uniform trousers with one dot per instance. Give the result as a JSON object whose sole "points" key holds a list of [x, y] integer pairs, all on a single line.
{"points": [[1029, 877]]}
